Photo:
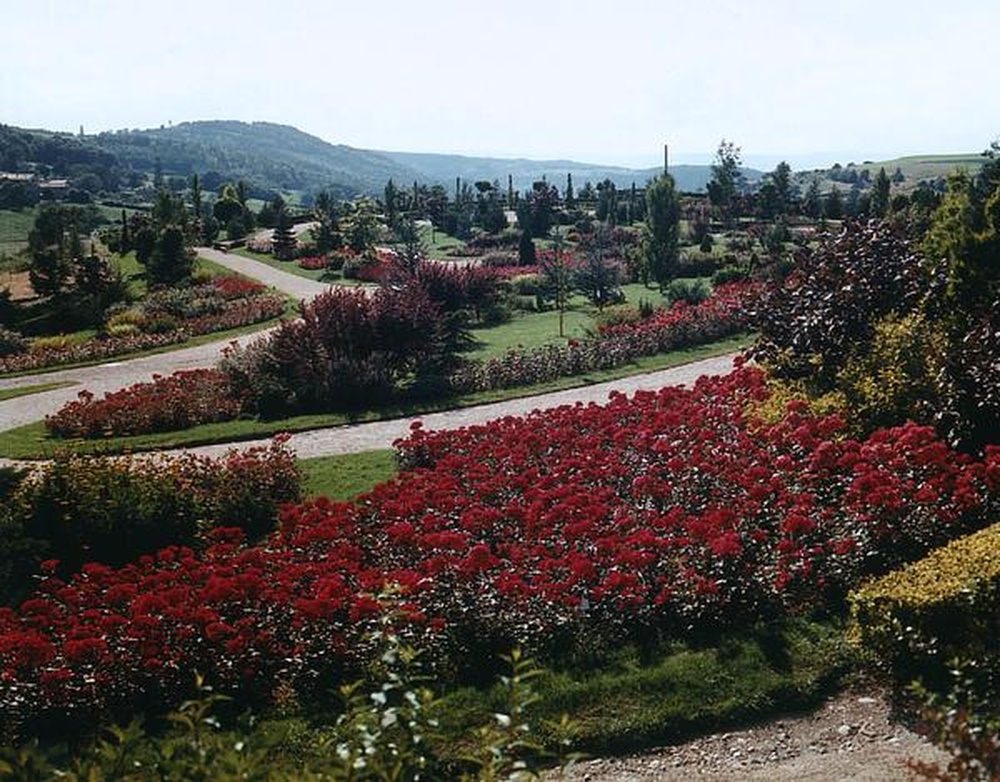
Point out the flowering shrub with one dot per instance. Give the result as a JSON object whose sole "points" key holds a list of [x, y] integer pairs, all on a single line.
{"points": [[77, 509], [166, 317], [670, 510], [184, 399], [680, 326], [313, 262]]}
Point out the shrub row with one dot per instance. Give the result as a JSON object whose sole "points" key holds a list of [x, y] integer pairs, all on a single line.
{"points": [[172, 318], [680, 326], [184, 399]]}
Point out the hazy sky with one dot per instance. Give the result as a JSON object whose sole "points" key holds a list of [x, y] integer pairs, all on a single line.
{"points": [[601, 81]]}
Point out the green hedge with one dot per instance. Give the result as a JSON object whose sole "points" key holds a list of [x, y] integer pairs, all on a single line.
{"points": [[944, 607]]}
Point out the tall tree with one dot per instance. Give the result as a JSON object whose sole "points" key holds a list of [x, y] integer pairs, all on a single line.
{"points": [[559, 278], [662, 229], [569, 196], [282, 239], [880, 194], [727, 179]]}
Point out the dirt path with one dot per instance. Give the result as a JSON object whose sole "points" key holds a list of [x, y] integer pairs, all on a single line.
{"points": [[850, 737]]}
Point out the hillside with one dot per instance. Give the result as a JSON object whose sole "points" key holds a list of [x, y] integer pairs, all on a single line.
{"points": [[444, 168], [269, 156]]}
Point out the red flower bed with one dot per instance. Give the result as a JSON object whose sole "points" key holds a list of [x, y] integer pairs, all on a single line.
{"points": [[669, 510], [313, 262], [184, 399]]}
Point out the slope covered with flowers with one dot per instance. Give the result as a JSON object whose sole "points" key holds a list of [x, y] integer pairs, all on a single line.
{"points": [[670, 511]]}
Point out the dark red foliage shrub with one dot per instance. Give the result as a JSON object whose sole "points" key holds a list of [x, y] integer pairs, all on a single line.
{"points": [[350, 346], [810, 324]]}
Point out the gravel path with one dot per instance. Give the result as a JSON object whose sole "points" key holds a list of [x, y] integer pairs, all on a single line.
{"points": [[381, 434], [850, 737], [121, 373]]}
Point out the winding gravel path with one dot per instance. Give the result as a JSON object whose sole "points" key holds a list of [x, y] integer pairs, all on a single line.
{"points": [[124, 372], [354, 438]]}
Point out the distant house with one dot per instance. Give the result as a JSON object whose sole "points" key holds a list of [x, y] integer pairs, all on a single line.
{"points": [[54, 185]]}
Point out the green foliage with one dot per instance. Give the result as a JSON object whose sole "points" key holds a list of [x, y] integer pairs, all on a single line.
{"points": [[917, 619], [963, 723], [662, 230], [688, 290], [12, 342], [894, 378], [79, 509]]}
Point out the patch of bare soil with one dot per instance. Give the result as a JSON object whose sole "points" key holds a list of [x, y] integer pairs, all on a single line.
{"points": [[850, 737], [19, 285]]}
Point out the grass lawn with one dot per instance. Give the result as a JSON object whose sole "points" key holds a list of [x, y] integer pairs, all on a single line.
{"points": [[14, 229], [345, 476], [292, 267], [13, 393], [624, 697], [533, 329], [33, 442], [438, 243]]}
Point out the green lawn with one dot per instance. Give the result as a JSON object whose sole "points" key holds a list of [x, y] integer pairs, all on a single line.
{"points": [[292, 267], [438, 243], [14, 228], [345, 476], [32, 441], [621, 697], [13, 393]]}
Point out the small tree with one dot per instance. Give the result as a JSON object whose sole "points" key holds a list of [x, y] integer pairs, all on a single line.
{"points": [[283, 240], [880, 194], [727, 179], [560, 279], [171, 260], [598, 277], [661, 237], [526, 249]]}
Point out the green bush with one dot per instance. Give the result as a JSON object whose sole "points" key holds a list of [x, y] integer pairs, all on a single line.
{"points": [[728, 274], [918, 619], [12, 343], [690, 290], [81, 509], [893, 378]]}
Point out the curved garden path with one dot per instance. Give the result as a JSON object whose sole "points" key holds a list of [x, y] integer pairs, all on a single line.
{"points": [[354, 438], [119, 373]]}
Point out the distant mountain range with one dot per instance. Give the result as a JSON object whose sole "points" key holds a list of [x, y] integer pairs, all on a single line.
{"points": [[273, 157]]}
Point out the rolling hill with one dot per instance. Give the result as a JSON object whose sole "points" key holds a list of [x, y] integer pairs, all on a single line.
{"points": [[273, 157]]}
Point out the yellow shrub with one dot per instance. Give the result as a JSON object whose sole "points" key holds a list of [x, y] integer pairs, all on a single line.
{"points": [[942, 606], [893, 379], [773, 408]]}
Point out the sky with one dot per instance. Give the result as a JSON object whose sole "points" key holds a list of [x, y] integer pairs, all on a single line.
{"points": [[596, 81]]}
